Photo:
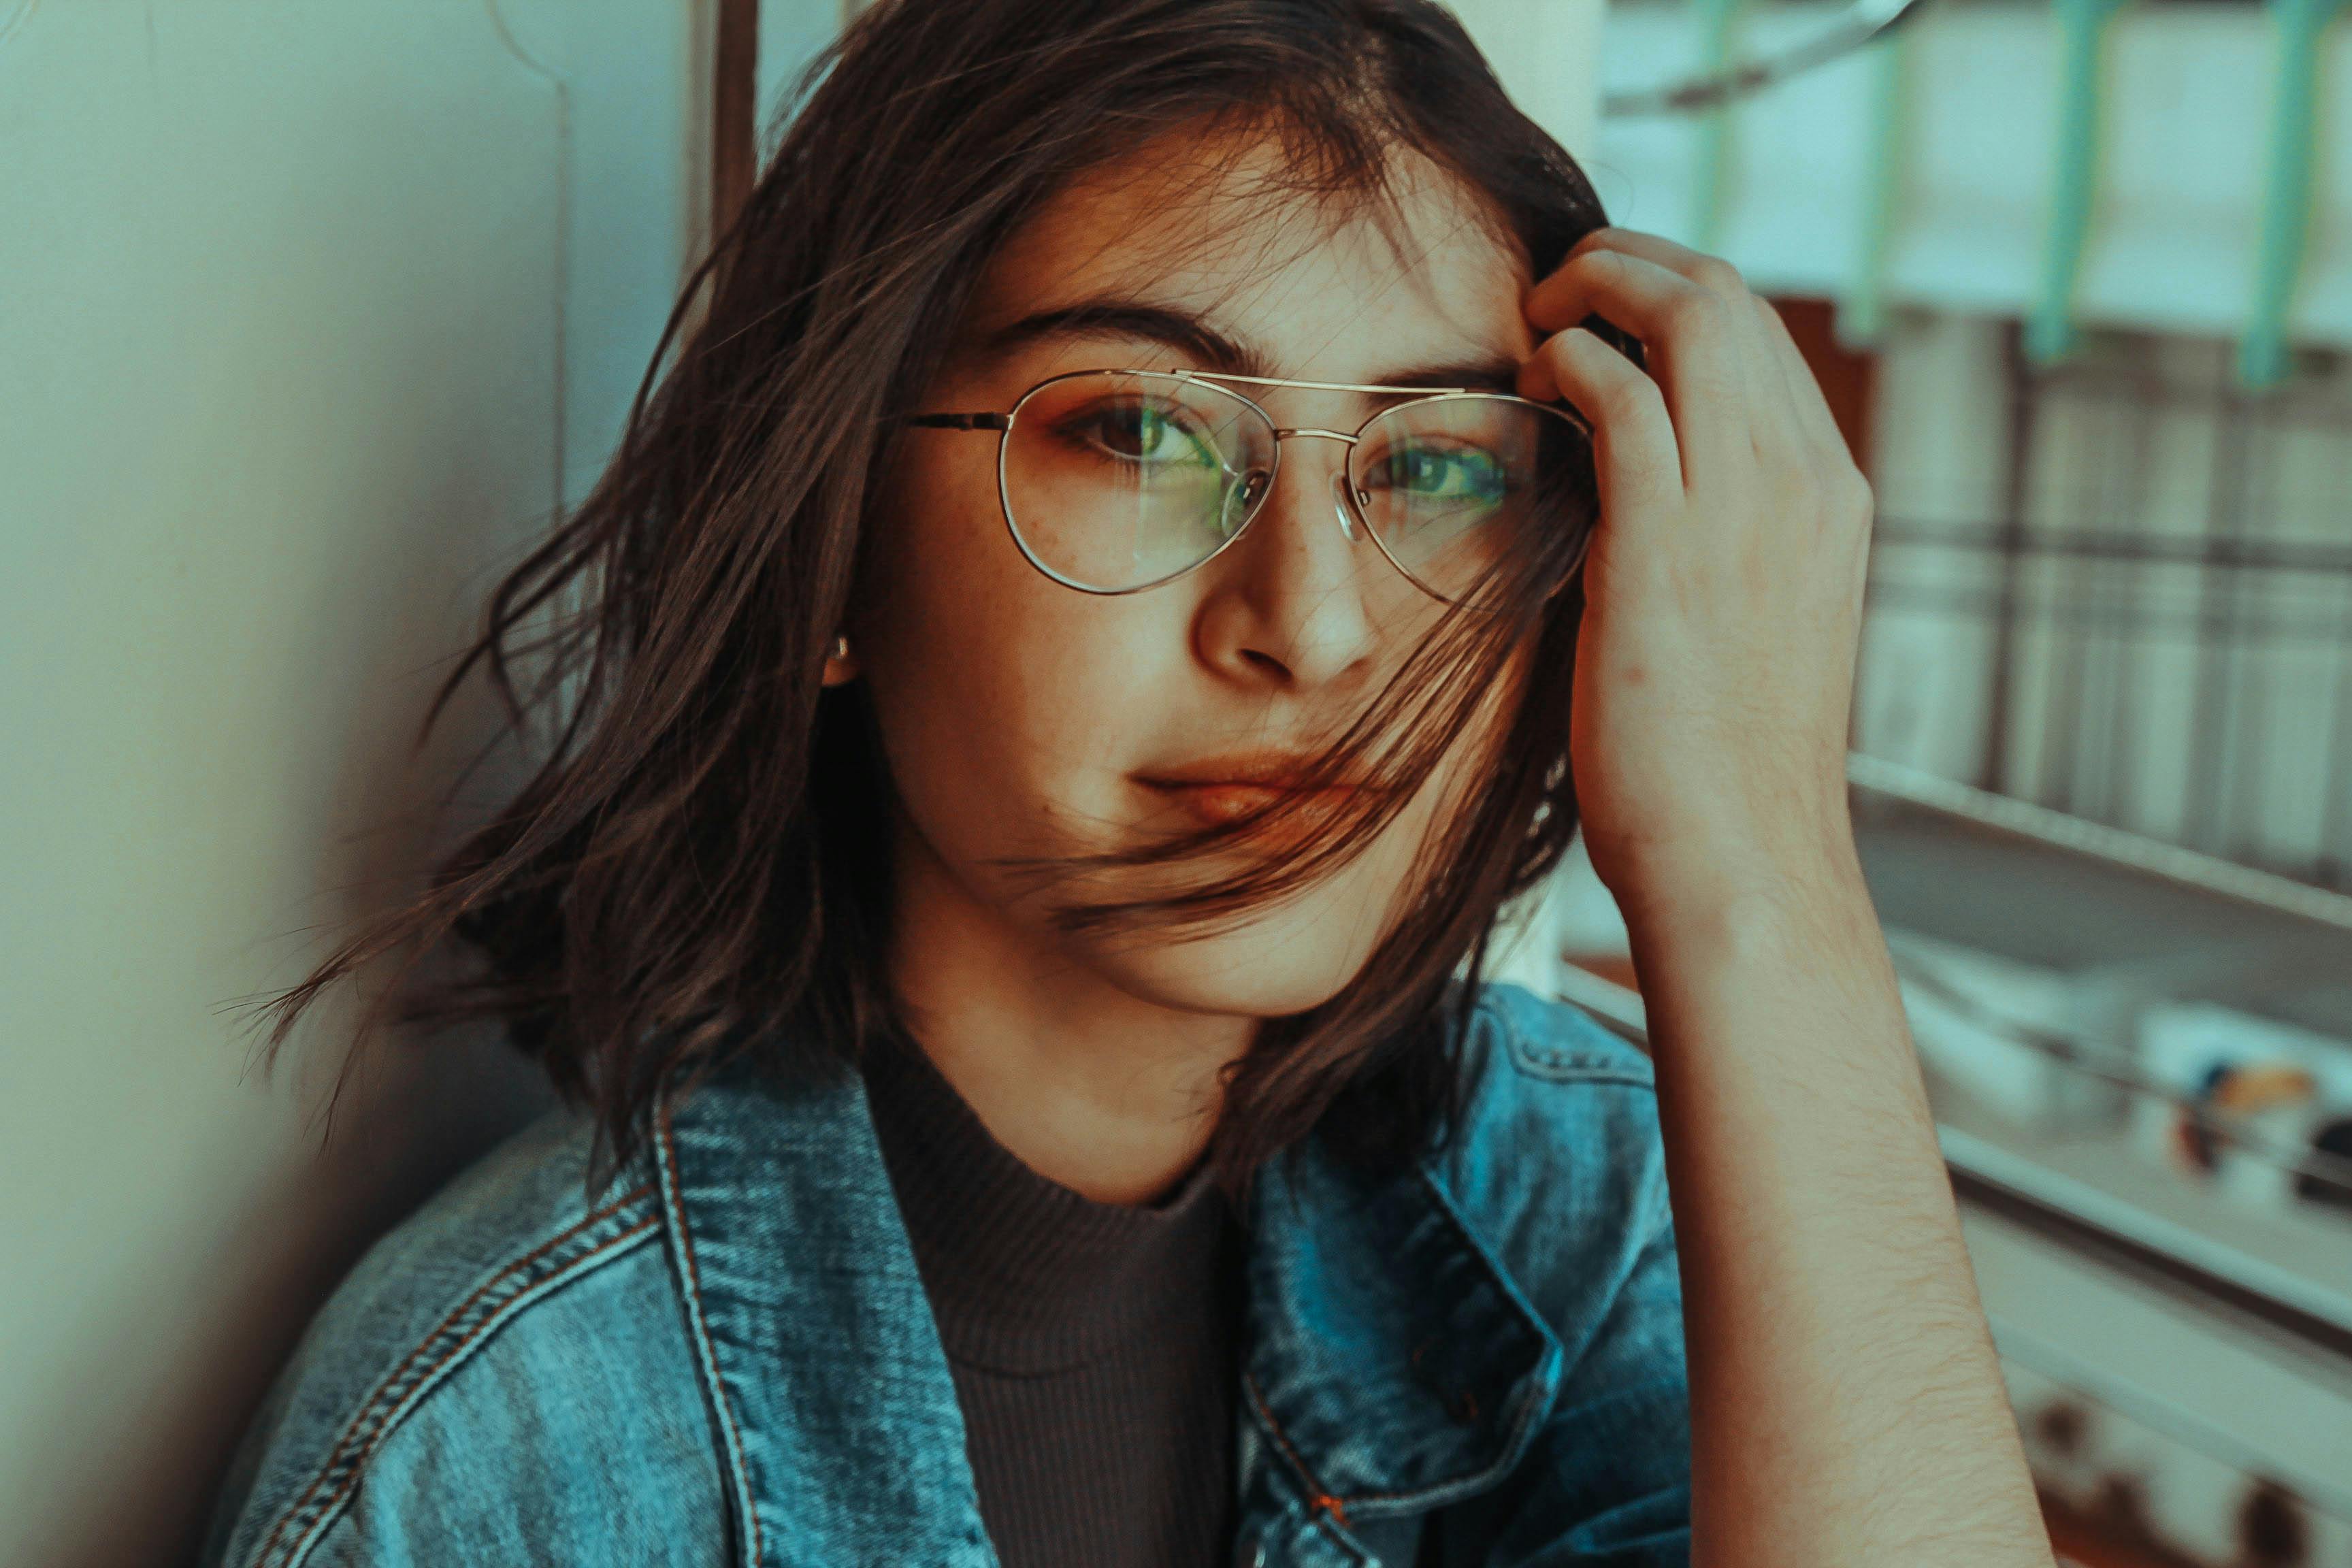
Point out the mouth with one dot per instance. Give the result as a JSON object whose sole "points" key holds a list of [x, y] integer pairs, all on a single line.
{"points": [[1223, 791]]}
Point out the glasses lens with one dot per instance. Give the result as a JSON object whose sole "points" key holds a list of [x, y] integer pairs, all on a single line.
{"points": [[1475, 494], [1116, 480]]}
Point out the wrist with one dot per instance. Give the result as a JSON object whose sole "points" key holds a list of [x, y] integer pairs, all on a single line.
{"points": [[1760, 936], [1750, 925], [1796, 865]]}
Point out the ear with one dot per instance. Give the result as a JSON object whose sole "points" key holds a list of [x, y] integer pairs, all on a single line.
{"points": [[840, 664]]}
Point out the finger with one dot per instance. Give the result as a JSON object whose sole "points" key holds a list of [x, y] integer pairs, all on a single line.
{"points": [[1808, 406], [1601, 272], [1636, 454], [1773, 419], [1709, 272], [1777, 418], [1843, 489], [1692, 333]]}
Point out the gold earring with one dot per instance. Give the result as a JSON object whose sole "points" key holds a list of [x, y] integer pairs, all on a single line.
{"points": [[837, 669]]}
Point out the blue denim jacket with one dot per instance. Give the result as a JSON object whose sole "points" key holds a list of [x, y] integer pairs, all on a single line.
{"points": [[726, 1356]]}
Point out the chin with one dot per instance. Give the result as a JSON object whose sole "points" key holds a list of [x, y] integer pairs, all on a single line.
{"points": [[1270, 967]]}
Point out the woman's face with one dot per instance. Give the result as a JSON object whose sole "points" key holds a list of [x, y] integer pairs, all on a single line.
{"points": [[1022, 718]]}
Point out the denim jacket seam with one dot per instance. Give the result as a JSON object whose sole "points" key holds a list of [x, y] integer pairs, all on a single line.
{"points": [[1329, 1512], [1324, 1503], [1528, 1055], [401, 1390], [705, 1356], [1532, 1411]]}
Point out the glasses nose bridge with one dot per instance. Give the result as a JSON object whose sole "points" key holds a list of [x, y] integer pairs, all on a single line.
{"points": [[1347, 440], [1340, 475]]}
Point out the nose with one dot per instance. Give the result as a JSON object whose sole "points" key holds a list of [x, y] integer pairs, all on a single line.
{"points": [[1285, 605]]}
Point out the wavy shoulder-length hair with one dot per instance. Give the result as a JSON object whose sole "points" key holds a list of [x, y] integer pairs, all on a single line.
{"points": [[698, 868]]}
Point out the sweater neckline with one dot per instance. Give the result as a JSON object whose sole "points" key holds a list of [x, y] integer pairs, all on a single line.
{"points": [[1024, 1275]]}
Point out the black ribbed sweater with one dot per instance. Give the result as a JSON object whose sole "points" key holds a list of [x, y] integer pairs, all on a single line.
{"points": [[1094, 1346]]}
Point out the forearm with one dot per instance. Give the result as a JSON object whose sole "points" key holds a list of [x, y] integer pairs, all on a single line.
{"points": [[1847, 1408]]}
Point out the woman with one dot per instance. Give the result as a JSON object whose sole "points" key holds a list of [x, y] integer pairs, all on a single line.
{"points": [[1156, 529]]}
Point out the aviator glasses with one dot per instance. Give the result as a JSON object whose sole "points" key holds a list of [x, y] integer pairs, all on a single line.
{"points": [[1117, 480]]}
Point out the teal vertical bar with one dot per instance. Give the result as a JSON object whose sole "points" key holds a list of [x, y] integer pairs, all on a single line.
{"points": [[1711, 164], [2300, 27], [2082, 51], [1862, 311]]}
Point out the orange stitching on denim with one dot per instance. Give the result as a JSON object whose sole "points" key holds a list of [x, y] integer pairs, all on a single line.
{"points": [[349, 1451], [1318, 1501], [735, 1459], [1324, 1503]]}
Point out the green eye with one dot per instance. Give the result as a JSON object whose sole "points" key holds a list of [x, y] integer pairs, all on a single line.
{"points": [[1143, 434], [1421, 471]]}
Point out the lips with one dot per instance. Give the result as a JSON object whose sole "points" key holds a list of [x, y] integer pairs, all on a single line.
{"points": [[1217, 793], [1221, 803]]}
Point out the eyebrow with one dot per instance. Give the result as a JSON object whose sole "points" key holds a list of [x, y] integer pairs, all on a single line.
{"points": [[1190, 335], [1179, 330]]}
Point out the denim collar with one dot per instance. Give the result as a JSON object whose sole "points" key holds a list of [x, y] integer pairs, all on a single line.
{"points": [[1392, 1362], [1393, 1365]]}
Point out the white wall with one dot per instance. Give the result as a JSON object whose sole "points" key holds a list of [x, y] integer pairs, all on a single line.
{"points": [[790, 34], [310, 315], [307, 314]]}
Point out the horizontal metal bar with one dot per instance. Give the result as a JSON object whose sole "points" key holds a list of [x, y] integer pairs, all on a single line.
{"points": [[2120, 1073], [1860, 24], [2150, 1410], [2095, 1225], [2112, 845]]}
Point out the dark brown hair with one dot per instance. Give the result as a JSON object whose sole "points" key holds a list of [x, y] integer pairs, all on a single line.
{"points": [[698, 868]]}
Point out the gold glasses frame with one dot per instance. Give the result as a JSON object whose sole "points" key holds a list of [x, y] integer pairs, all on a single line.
{"points": [[1345, 501]]}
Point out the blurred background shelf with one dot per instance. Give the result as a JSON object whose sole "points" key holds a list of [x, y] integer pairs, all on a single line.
{"points": [[2078, 281], [2286, 1271], [2179, 1349], [2108, 907]]}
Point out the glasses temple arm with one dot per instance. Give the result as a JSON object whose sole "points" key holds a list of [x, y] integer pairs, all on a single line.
{"points": [[959, 421]]}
